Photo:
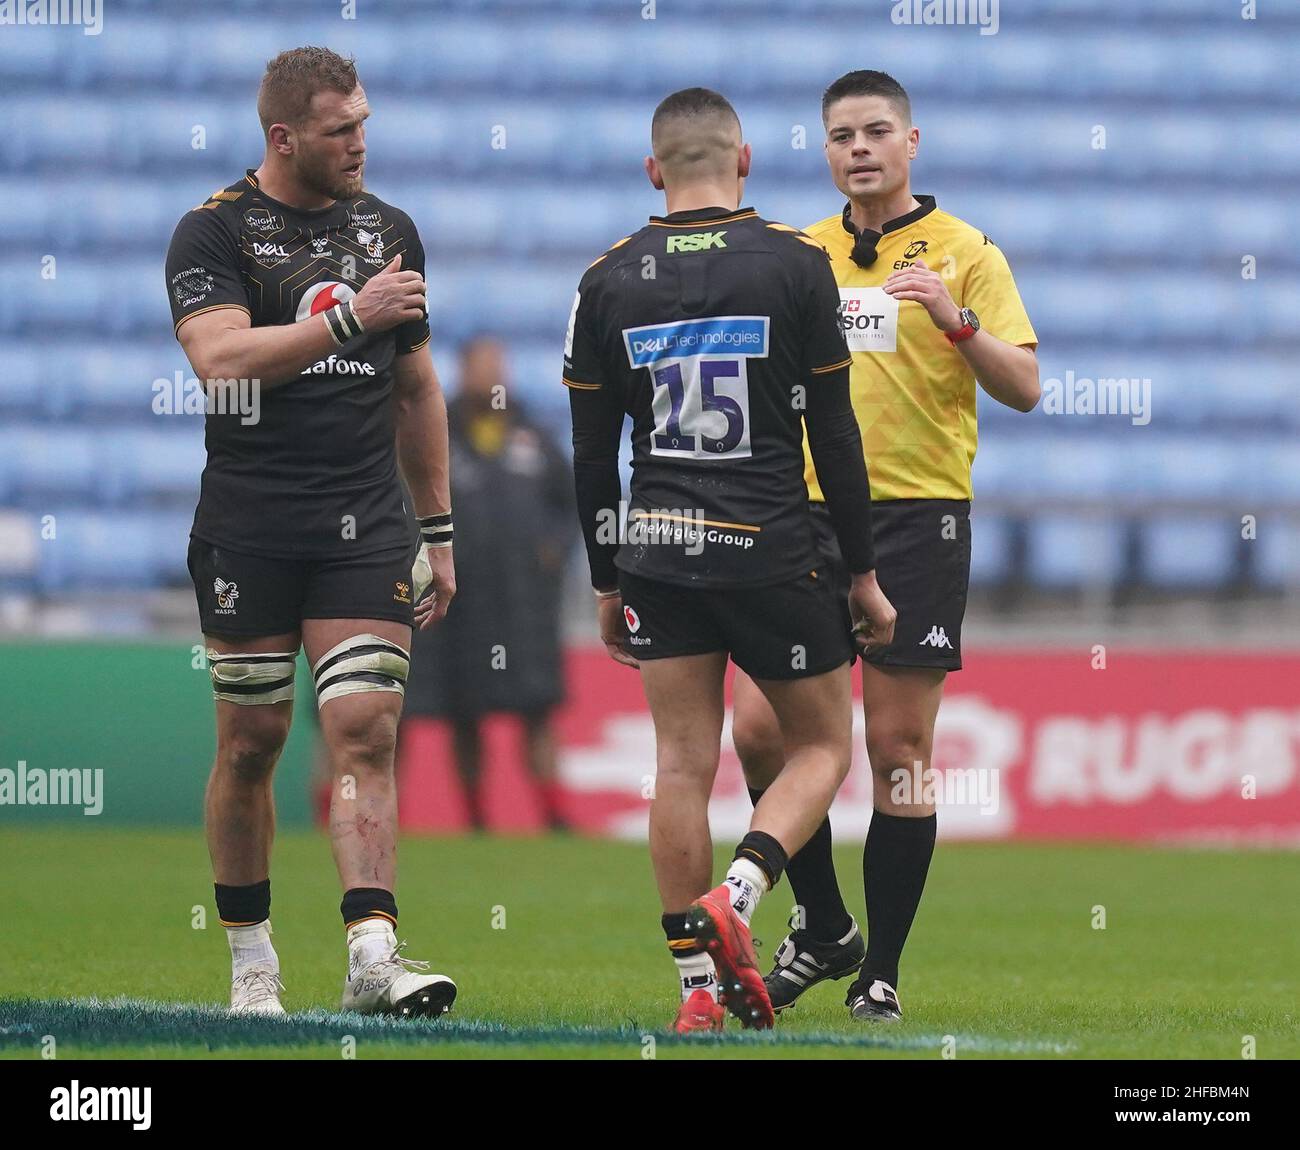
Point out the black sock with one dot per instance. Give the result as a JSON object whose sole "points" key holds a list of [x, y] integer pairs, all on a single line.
{"points": [[816, 889], [681, 938], [764, 852], [895, 862], [243, 905], [362, 902]]}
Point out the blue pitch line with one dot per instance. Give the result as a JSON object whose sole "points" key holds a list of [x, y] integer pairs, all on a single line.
{"points": [[137, 1022]]}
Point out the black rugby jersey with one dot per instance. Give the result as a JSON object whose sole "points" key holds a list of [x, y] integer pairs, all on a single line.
{"points": [[315, 476], [718, 332]]}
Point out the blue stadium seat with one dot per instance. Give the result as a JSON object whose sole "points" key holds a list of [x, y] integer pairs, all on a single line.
{"points": [[44, 463], [991, 558], [1277, 553], [1189, 552], [156, 464], [1074, 551], [98, 551]]}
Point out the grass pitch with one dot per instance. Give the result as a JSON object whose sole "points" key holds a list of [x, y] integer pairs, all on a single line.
{"points": [[113, 949]]}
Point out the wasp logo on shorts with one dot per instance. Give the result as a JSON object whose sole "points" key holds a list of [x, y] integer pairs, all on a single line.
{"points": [[403, 592], [227, 593], [632, 619], [322, 296]]}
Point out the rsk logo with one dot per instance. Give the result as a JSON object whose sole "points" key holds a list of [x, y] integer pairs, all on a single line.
{"points": [[697, 242]]}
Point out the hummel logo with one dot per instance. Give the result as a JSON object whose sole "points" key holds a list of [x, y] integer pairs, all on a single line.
{"points": [[936, 638]]}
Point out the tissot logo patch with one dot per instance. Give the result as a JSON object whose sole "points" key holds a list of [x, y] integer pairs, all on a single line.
{"points": [[869, 317]]}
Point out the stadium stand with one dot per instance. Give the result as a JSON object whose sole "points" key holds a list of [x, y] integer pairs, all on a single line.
{"points": [[1129, 256]]}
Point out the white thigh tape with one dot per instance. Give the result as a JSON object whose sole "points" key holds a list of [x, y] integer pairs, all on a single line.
{"points": [[252, 679], [362, 663]]}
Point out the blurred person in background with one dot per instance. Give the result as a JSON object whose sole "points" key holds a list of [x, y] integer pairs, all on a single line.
{"points": [[499, 652]]}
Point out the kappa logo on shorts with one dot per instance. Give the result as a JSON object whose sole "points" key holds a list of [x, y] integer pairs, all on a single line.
{"points": [[227, 593], [936, 638]]}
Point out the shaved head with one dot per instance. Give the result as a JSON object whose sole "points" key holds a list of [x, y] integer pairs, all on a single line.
{"points": [[695, 135]]}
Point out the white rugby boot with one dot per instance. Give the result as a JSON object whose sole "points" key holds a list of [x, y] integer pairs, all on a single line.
{"points": [[255, 985], [381, 981], [256, 990]]}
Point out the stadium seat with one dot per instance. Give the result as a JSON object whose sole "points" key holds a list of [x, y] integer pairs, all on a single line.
{"points": [[1065, 552], [1189, 552], [991, 557], [1276, 553]]}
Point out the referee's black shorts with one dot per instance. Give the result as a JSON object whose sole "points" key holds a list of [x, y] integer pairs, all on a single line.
{"points": [[923, 566], [789, 630]]}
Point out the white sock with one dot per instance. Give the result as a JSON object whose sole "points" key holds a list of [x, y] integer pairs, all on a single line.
{"points": [[697, 973], [370, 940], [251, 946], [746, 884]]}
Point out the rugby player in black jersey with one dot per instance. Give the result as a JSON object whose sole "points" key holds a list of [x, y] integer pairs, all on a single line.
{"points": [[301, 296], [718, 333]]}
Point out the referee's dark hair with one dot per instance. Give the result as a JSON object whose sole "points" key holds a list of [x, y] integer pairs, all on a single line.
{"points": [[868, 83]]}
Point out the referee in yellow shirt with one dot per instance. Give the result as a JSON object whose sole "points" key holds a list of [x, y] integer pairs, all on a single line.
{"points": [[929, 308]]}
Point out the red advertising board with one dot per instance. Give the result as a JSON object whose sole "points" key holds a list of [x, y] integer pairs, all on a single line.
{"points": [[1151, 746]]}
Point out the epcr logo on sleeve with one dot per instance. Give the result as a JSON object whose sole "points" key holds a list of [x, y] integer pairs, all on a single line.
{"points": [[869, 318]]}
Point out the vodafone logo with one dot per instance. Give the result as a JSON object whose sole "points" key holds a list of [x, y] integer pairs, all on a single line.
{"points": [[321, 297], [632, 619]]}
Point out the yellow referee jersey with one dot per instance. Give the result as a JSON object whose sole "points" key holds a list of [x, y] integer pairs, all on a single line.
{"points": [[913, 392]]}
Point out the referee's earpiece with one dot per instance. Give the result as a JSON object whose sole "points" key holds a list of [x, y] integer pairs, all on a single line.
{"points": [[864, 248], [864, 242]]}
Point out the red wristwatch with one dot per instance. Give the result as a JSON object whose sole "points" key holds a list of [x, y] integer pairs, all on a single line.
{"points": [[970, 325]]}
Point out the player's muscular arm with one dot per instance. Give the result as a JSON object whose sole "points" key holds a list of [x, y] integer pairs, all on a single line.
{"points": [[423, 456], [597, 429], [422, 451], [222, 344], [836, 446]]}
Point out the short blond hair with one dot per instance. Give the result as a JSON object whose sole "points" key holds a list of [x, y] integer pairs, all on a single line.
{"points": [[294, 77]]}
